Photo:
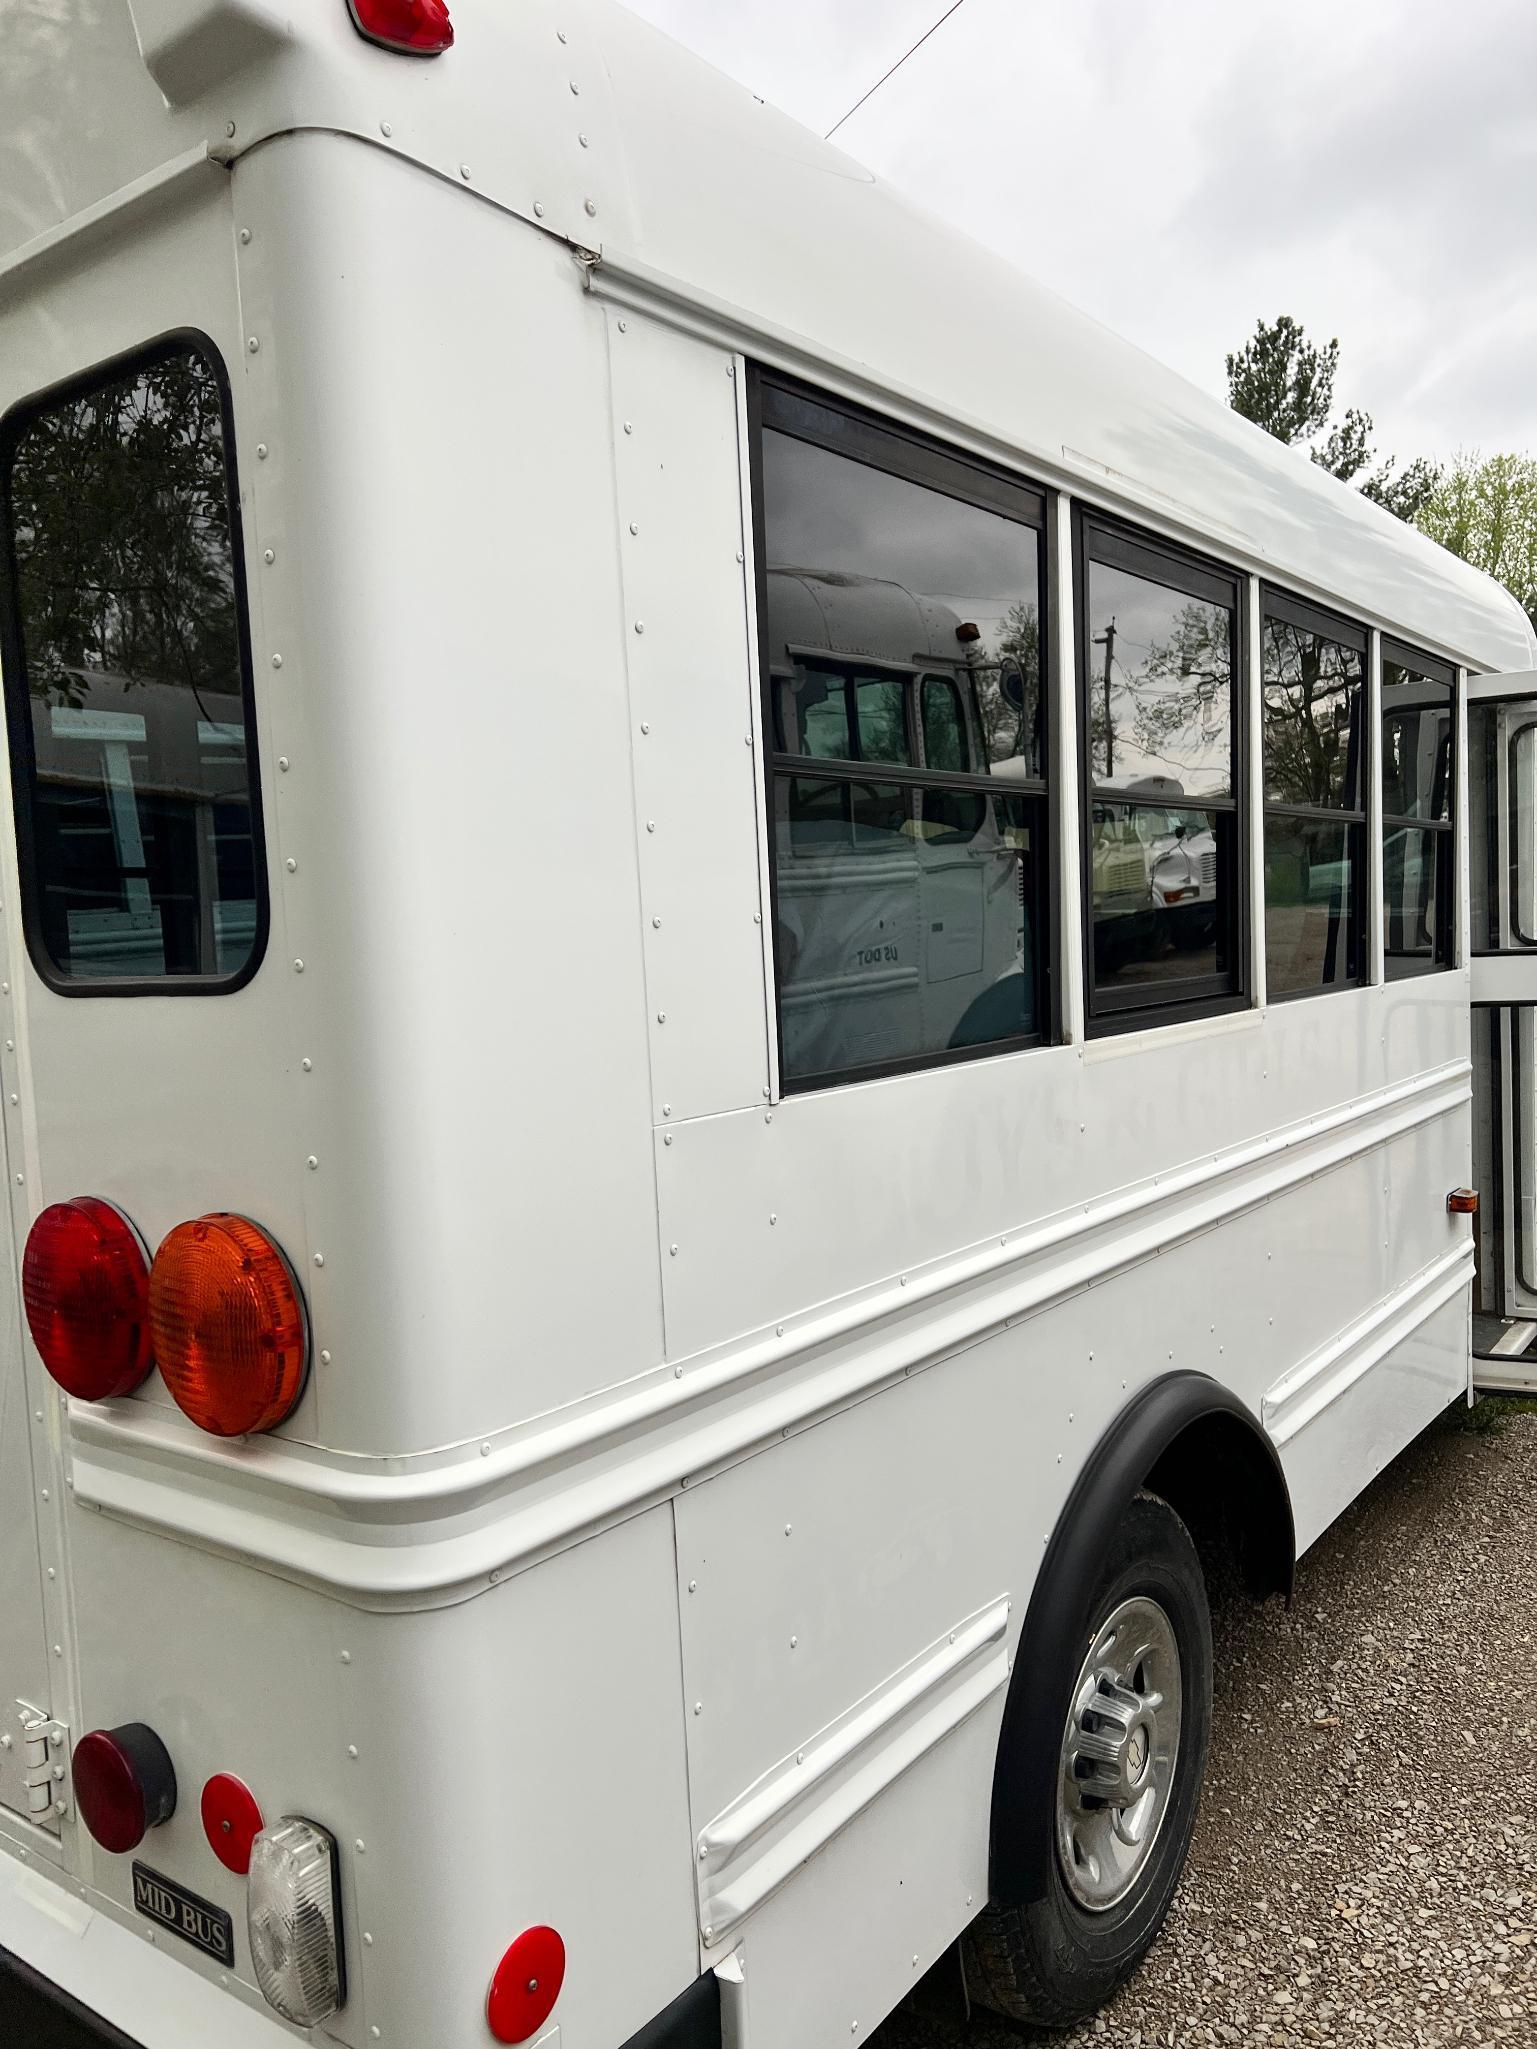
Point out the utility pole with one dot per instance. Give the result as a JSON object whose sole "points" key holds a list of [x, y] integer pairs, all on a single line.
{"points": [[1106, 640]]}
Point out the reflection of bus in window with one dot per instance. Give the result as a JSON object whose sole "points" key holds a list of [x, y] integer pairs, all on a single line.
{"points": [[900, 907], [143, 820]]}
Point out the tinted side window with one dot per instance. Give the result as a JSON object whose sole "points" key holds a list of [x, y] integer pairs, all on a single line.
{"points": [[127, 681], [1315, 799], [1163, 853], [900, 635], [1418, 789], [1313, 686]]}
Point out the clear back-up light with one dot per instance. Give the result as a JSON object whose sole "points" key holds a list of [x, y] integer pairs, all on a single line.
{"points": [[293, 1918]]}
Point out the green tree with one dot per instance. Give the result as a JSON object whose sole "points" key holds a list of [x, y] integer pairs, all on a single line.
{"points": [[1011, 717], [1285, 384], [1281, 382], [1182, 696], [121, 528], [1485, 509], [1311, 716]]}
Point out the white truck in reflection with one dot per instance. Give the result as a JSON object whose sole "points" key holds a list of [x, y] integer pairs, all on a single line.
{"points": [[1154, 872], [904, 902]]}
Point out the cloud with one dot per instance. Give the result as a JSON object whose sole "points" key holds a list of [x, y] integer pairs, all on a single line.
{"points": [[1180, 170]]}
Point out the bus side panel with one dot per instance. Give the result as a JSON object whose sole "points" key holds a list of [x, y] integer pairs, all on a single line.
{"points": [[511, 1761], [1366, 1413], [1367, 1425], [868, 1536], [692, 715], [850, 1598], [456, 818], [1349, 1418], [235, 1671], [528, 1768], [823, 1580], [875, 1908]]}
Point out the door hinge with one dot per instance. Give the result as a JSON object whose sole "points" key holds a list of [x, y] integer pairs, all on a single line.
{"points": [[45, 1765]]}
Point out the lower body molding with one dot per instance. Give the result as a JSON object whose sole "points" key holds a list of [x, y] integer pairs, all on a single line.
{"points": [[1303, 1394], [765, 1834]]}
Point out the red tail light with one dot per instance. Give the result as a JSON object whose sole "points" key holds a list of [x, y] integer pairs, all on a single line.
{"points": [[421, 28], [231, 1820], [228, 1325], [125, 1784], [85, 1283], [525, 1985]]}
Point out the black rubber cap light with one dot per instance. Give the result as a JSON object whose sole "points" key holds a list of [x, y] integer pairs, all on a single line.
{"points": [[125, 1784]]}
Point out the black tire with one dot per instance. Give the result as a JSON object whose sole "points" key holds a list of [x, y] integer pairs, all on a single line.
{"points": [[1052, 1961]]}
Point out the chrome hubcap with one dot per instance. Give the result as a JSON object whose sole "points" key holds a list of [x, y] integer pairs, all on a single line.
{"points": [[1119, 1754]]}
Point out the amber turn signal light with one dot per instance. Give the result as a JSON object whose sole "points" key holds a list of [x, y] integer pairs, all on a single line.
{"points": [[228, 1323], [1463, 1202]]}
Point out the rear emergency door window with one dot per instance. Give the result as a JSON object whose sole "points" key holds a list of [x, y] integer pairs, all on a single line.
{"points": [[127, 681]]}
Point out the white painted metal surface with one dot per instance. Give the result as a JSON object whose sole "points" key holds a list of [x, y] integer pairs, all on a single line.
{"points": [[648, 1550], [1503, 715]]}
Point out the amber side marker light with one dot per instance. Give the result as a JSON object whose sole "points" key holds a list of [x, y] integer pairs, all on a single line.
{"points": [[416, 28], [1463, 1202], [228, 1325], [85, 1284]]}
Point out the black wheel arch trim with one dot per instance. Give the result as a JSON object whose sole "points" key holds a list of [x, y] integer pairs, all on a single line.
{"points": [[1022, 1833], [692, 2021]]}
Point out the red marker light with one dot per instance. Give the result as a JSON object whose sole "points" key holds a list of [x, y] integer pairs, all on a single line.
{"points": [[525, 1985], [231, 1821], [85, 1283], [125, 1784], [418, 28]]}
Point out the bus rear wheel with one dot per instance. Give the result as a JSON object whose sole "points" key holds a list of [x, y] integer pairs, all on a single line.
{"points": [[1127, 1784]]}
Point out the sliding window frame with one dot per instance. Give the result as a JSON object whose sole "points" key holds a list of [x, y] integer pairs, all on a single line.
{"points": [[1098, 537], [1398, 967], [1292, 611], [808, 413]]}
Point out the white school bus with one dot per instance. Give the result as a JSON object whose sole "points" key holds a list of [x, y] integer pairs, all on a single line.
{"points": [[586, 1457]]}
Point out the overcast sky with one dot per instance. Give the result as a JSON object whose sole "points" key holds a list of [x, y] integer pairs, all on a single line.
{"points": [[1180, 167]]}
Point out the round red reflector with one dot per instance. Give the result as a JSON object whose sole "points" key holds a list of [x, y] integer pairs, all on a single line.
{"points": [[231, 1820], [419, 27], [228, 1325], [85, 1283], [525, 1985], [124, 1784]]}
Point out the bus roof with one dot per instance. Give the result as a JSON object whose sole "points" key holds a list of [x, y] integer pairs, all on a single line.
{"points": [[692, 192]]}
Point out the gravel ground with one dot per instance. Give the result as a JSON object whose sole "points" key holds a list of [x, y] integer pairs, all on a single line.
{"points": [[1364, 1870]]}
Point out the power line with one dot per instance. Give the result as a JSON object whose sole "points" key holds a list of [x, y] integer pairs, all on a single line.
{"points": [[953, 9]]}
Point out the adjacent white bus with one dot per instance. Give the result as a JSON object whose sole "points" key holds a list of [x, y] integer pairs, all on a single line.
{"points": [[739, 1010]]}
